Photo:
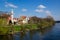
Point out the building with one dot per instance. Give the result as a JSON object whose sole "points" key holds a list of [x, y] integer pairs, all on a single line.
{"points": [[11, 20], [4, 18], [23, 20]]}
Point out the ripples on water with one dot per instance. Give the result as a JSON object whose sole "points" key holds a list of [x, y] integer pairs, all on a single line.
{"points": [[52, 33]]}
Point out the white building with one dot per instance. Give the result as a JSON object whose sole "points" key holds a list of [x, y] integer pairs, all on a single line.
{"points": [[12, 16], [25, 20]]}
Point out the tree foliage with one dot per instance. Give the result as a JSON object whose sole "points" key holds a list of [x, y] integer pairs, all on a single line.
{"points": [[42, 22]]}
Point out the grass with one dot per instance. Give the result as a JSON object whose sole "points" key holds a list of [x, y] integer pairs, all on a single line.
{"points": [[7, 29], [18, 28]]}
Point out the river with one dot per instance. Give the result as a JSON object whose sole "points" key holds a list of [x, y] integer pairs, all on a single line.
{"points": [[52, 33]]}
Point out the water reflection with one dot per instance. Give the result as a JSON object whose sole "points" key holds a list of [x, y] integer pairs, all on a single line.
{"points": [[6, 37], [40, 34], [31, 33], [23, 35]]}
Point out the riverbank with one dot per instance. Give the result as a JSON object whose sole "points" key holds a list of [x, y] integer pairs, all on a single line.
{"points": [[34, 23], [50, 33], [11, 29]]}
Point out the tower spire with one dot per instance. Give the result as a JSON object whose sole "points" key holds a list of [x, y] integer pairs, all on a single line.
{"points": [[12, 15], [12, 11]]}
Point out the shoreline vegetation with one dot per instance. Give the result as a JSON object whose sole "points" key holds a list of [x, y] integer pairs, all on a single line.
{"points": [[33, 24]]}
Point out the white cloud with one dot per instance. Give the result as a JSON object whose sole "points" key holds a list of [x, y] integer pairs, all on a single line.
{"points": [[39, 10], [10, 5], [48, 13], [41, 6], [24, 10]]}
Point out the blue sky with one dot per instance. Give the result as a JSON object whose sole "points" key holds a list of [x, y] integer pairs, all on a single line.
{"points": [[39, 8]]}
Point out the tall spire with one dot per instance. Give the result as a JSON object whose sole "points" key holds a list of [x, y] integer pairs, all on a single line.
{"points": [[12, 11], [12, 15]]}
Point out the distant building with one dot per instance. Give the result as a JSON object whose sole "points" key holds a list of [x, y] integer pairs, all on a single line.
{"points": [[23, 20], [4, 18], [11, 20]]}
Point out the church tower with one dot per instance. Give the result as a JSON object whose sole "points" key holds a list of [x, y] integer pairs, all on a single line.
{"points": [[12, 16]]}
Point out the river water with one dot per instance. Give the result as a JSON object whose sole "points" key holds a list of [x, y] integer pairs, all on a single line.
{"points": [[52, 33]]}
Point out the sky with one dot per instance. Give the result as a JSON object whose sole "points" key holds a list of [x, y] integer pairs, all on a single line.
{"points": [[39, 8]]}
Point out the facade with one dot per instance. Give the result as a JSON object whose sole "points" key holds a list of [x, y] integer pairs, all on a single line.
{"points": [[12, 16], [23, 20], [11, 20]]}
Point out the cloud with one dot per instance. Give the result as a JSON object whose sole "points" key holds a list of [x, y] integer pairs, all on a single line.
{"points": [[41, 6], [24, 10], [10, 5], [44, 11], [48, 13], [39, 10]]}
